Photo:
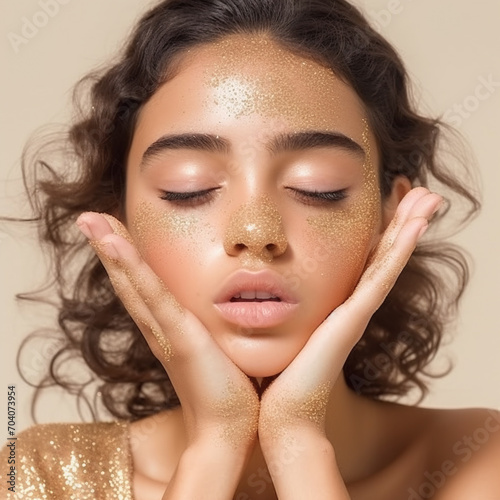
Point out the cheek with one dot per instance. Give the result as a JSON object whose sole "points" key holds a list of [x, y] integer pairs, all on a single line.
{"points": [[341, 242], [171, 244], [151, 224], [345, 236]]}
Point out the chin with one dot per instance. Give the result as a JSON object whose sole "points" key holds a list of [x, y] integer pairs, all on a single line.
{"points": [[260, 358], [261, 371]]}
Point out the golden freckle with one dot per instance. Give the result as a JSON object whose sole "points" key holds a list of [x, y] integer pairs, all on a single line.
{"points": [[251, 261]]}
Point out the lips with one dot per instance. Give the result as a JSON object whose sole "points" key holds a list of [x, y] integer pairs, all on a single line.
{"points": [[255, 300]]}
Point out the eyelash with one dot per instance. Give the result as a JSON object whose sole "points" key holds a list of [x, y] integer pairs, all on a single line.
{"points": [[189, 198], [320, 197], [193, 198]]}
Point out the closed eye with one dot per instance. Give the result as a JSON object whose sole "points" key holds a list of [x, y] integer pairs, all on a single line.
{"points": [[189, 198], [318, 197]]}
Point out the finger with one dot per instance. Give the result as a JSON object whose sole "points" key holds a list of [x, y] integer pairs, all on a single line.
{"points": [[419, 202], [113, 242], [382, 274], [140, 290], [96, 229], [154, 308], [410, 200], [395, 250]]}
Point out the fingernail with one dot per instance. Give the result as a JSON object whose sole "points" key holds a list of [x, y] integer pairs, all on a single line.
{"points": [[108, 249], [439, 206], [423, 230], [85, 229]]}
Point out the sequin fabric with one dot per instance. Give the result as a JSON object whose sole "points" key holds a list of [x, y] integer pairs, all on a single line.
{"points": [[71, 462]]}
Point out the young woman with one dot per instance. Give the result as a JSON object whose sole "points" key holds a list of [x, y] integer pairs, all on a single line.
{"points": [[251, 177]]}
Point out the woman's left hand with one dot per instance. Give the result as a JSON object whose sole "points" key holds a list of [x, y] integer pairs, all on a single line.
{"points": [[293, 407]]}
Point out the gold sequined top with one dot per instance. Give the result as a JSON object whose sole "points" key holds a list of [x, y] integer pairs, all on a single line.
{"points": [[69, 462]]}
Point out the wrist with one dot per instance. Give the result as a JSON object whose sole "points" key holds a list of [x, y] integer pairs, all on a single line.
{"points": [[294, 440], [303, 463], [209, 469], [279, 434], [237, 438]]}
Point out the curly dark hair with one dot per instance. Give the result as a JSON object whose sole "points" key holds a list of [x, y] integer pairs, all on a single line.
{"points": [[403, 335]]}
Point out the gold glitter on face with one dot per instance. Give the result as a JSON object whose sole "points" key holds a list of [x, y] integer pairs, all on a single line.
{"points": [[256, 230], [151, 224], [354, 226], [265, 89]]}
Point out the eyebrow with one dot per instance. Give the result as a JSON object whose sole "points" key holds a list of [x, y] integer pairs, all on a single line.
{"points": [[314, 139], [295, 141], [199, 142]]}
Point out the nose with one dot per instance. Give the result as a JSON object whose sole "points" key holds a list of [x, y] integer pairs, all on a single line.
{"points": [[256, 227]]}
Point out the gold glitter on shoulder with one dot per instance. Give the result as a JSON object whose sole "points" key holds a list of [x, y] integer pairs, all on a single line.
{"points": [[70, 462]]}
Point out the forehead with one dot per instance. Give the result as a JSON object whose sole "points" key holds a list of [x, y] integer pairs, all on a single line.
{"points": [[242, 79]]}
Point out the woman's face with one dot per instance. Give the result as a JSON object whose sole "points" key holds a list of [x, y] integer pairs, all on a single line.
{"points": [[252, 191]]}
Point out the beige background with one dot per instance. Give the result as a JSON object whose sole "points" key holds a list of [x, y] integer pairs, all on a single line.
{"points": [[449, 46]]}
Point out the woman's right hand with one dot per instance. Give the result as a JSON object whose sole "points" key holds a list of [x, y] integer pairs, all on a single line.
{"points": [[219, 402]]}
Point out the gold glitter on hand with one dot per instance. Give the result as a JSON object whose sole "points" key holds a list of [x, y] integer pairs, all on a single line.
{"points": [[117, 227], [163, 343], [285, 413], [239, 410]]}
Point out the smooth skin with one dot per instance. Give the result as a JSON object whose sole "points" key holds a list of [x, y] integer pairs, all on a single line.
{"points": [[197, 357], [227, 441]]}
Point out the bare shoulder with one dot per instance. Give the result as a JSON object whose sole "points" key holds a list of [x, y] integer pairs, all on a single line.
{"points": [[464, 455]]}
